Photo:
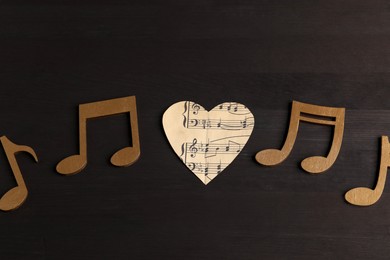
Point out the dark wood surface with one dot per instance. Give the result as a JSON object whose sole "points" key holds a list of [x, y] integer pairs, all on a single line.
{"points": [[55, 55]]}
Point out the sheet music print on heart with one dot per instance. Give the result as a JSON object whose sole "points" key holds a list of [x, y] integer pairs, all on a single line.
{"points": [[207, 142]]}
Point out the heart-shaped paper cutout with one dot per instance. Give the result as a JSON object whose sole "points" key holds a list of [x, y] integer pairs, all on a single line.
{"points": [[207, 142]]}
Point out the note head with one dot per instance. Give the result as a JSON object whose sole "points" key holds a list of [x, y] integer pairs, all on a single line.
{"points": [[270, 157], [13, 199], [361, 196], [315, 164], [71, 165], [125, 157]]}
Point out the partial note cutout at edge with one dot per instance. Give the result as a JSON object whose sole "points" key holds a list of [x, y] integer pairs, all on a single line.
{"points": [[362, 196], [301, 112], [15, 197], [123, 157]]}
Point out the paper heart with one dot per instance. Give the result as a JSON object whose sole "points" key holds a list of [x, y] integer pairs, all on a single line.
{"points": [[207, 142]]}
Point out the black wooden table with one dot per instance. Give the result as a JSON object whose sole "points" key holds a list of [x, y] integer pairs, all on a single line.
{"points": [[55, 55]]}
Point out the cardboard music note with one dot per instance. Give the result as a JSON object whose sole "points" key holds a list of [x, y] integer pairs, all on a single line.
{"points": [[363, 196], [124, 157], [15, 197], [301, 112], [207, 142]]}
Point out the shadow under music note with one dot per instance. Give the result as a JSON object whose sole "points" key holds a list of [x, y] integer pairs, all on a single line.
{"points": [[15, 197], [124, 157], [363, 196], [314, 164]]}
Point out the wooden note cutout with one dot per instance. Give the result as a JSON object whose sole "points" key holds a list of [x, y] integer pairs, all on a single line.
{"points": [[207, 142], [302, 112], [362, 196], [15, 197], [124, 157]]}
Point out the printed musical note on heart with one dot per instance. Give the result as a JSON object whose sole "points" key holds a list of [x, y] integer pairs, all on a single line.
{"points": [[207, 142]]}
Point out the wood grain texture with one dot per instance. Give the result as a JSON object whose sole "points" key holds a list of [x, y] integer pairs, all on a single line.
{"points": [[55, 55]]}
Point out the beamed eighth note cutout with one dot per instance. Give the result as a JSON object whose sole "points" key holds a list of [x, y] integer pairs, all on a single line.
{"points": [[124, 157], [207, 142], [15, 197], [302, 112], [362, 196]]}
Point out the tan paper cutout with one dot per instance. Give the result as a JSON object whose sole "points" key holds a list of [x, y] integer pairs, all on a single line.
{"points": [[207, 142], [124, 157], [315, 164], [363, 196], [15, 197]]}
